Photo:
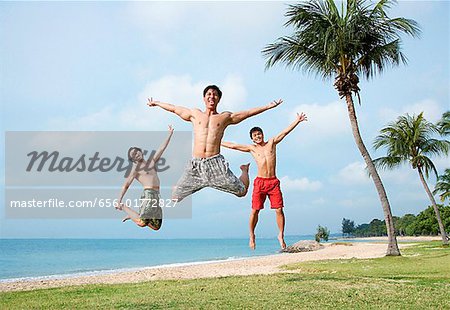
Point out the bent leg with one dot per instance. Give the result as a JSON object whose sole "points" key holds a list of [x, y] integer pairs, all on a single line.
{"points": [[189, 183], [280, 223], [252, 223], [132, 215], [222, 178], [245, 178]]}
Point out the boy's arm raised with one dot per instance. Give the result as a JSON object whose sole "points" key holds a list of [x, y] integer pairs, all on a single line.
{"points": [[300, 118], [163, 145], [235, 146], [238, 117], [183, 112], [126, 185]]}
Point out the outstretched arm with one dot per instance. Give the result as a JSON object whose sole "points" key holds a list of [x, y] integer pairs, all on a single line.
{"points": [[126, 185], [300, 118], [163, 146], [235, 146], [182, 112], [238, 117]]}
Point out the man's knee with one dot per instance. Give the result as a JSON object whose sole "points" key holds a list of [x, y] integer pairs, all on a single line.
{"points": [[279, 211], [241, 194], [255, 211]]}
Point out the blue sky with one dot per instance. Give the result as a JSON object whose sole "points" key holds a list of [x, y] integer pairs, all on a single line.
{"points": [[91, 66]]}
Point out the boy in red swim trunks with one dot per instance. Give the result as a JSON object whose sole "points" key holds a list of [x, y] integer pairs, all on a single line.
{"points": [[266, 183]]}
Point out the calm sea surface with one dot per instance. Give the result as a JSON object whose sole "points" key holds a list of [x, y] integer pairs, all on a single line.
{"points": [[24, 258]]}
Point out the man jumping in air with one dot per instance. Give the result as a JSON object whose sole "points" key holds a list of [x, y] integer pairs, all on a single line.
{"points": [[208, 168], [150, 212], [266, 183]]}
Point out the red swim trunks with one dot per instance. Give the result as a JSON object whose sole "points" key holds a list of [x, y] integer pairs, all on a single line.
{"points": [[263, 187]]}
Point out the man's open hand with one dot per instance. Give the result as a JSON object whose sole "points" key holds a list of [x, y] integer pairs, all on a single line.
{"points": [[151, 102], [301, 117], [275, 103]]}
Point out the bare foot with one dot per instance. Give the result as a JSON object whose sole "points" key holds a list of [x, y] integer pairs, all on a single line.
{"points": [[119, 206], [126, 218], [281, 240], [252, 243], [244, 168]]}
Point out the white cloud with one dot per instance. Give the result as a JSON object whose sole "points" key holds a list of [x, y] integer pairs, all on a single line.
{"points": [[181, 90], [328, 120], [303, 184], [352, 174], [403, 175], [234, 93], [98, 120], [432, 111], [174, 89]]}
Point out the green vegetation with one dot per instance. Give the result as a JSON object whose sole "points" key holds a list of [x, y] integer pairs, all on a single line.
{"points": [[444, 124], [424, 223], [323, 233], [420, 279], [345, 41], [443, 186], [348, 227], [410, 140]]}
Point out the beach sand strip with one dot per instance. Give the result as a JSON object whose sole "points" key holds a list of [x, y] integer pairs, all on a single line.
{"points": [[262, 265]]}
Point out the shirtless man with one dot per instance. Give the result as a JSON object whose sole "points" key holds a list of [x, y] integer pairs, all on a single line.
{"points": [[208, 168], [150, 212], [266, 183]]}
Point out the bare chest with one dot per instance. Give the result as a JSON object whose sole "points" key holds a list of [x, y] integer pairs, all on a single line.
{"points": [[145, 171], [215, 123], [263, 152]]}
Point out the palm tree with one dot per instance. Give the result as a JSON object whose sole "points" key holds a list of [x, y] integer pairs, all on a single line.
{"points": [[443, 186], [409, 140], [444, 124], [357, 40]]}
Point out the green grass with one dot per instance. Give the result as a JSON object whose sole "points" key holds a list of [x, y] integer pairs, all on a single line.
{"points": [[420, 279]]}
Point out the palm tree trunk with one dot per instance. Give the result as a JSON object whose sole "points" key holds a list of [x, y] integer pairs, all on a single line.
{"points": [[436, 210], [392, 249]]}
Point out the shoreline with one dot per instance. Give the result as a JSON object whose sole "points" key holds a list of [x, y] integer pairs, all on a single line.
{"points": [[399, 238], [257, 265], [93, 273]]}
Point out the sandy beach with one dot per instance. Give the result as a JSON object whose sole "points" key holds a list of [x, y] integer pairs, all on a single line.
{"points": [[374, 247]]}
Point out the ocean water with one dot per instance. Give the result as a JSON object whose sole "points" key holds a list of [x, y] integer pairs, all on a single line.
{"points": [[30, 258]]}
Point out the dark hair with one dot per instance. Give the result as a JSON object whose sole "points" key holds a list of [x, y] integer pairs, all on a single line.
{"points": [[212, 87], [255, 129], [133, 148]]}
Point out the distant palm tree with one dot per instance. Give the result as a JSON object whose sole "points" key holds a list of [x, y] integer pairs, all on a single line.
{"points": [[443, 186], [444, 124], [358, 39], [409, 140]]}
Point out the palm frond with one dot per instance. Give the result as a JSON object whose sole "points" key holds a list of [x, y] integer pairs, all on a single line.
{"points": [[444, 124], [388, 162], [425, 164], [443, 186], [409, 139], [358, 38]]}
